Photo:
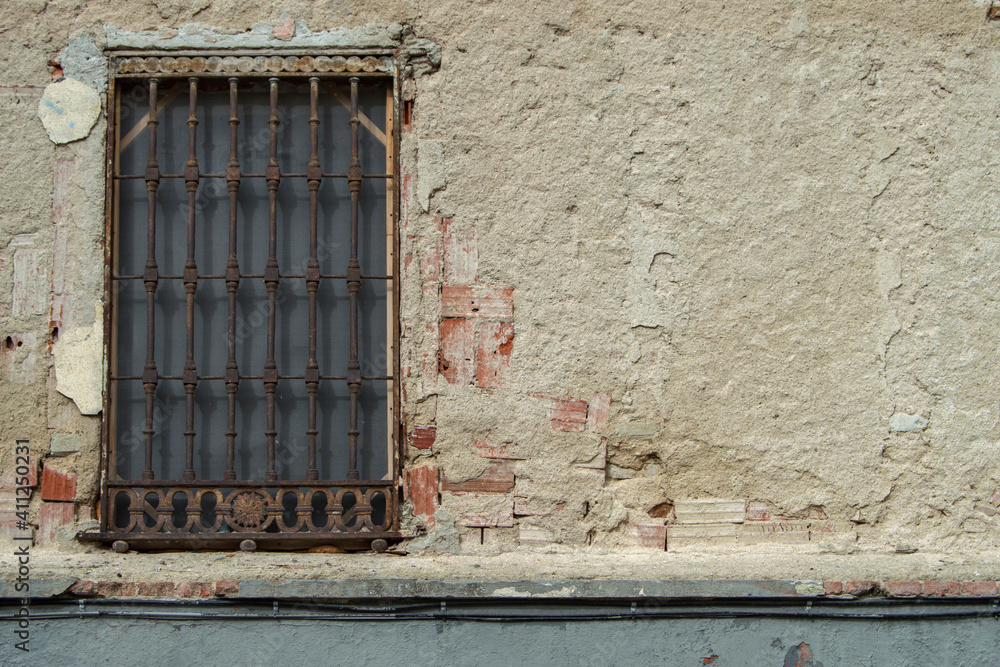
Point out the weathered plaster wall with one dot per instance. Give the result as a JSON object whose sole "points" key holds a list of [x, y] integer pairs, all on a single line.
{"points": [[653, 254]]}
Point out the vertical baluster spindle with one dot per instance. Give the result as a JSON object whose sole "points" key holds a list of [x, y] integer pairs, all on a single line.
{"points": [[313, 176], [271, 273], [353, 287], [232, 283], [150, 279], [191, 177]]}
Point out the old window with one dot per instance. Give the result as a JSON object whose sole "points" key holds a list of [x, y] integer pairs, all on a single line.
{"points": [[251, 389]]}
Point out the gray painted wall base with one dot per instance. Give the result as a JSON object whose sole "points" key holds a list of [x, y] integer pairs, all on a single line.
{"points": [[778, 635]]}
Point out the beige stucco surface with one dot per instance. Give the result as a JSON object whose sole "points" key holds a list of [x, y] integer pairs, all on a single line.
{"points": [[767, 230]]}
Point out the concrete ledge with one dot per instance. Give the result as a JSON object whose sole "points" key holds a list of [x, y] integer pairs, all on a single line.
{"points": [[353, 589]]}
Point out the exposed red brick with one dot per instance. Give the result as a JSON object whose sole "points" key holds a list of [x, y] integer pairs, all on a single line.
{"points": [[52, 516], [597, 412], [458, 351], [82, 587], [860, 587], [496, 344], [979, 588], [477, 301], [155, 589], [938, 588], [653, 536], [115, 589], [227, 588], [498, 478], [488, 451], [903, 588], [565, 414], [423, 436], [194, 589], [422, 489], [833, 587], [995, 499], [58, 485]]}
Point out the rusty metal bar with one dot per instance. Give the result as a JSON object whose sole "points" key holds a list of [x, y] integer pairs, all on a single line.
{"points": [[353, 286], [150, 280], [232, 282], [190, 277], [271, 278], [313, 277]]}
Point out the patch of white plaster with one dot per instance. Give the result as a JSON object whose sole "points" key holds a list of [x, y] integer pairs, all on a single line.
{"points": [[78, 356], [68, 110]]}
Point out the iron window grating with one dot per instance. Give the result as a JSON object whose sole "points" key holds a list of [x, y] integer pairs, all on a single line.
{"points": [[272, 511]]}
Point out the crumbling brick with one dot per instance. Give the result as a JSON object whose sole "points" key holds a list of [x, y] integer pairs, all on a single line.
{"points": [[423, 437], [458, 351], [422, 489], [903, 588], [157, 589], [498, 478], [496, 345], [58, 486], [194, 589]]}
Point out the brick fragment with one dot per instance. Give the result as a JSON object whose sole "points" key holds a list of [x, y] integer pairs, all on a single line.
{"points": [[942, 588], [155, 589], [565, 414], [860, 587], [58, 486], [477, 301], [458, 351], [194, 589], [833, 587], [496, 345], [597, 412], [82, 588], [653, 536], [979, 588], [115, 589], [498, 478], [995, 499], [51, 517], [903, 588], [223, 588], [423, 436], [422, 489]]}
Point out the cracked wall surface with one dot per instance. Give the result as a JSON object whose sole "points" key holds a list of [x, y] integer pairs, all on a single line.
{"points": [[674, 275]]}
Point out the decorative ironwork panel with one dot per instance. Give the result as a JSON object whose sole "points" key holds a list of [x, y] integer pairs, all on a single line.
{"points": [[252, 300]]}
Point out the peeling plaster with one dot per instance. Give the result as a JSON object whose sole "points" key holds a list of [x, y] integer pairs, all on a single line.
{"points": [[78, 356]]}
